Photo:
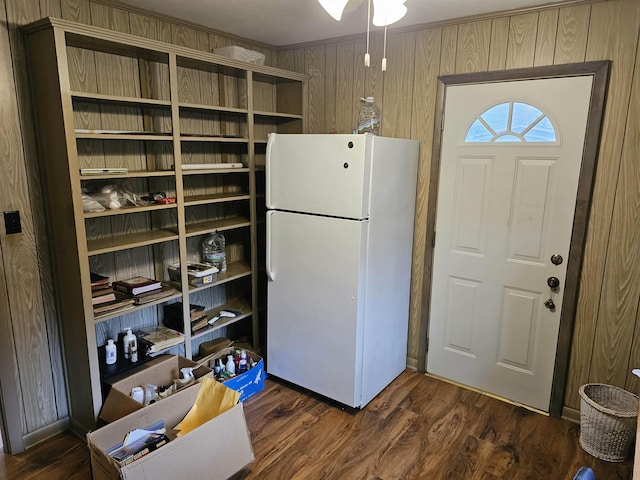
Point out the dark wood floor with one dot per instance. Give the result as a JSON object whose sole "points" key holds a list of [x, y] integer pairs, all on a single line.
{"points": [[418, 428]]}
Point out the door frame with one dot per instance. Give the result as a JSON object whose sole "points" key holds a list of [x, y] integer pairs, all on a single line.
{"points": [[600, 72]]}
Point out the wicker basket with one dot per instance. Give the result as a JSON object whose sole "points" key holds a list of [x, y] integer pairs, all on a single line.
{"points": [[608, 417]]}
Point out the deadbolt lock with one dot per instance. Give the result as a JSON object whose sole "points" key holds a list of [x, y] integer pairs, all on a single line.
{"points": [[556, 259]]}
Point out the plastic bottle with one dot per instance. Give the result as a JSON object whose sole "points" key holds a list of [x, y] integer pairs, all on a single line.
{"points": [[130, 346], [230, 366], [111, 353], [368, 117], [213, 251], [242, 364]]}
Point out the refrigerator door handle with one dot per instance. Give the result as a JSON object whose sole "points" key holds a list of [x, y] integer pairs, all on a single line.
{"points": [[267, 170], [270, 273]]}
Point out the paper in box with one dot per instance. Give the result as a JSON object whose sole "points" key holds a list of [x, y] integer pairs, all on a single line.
{"points": [[162, 370], [188, 456], [248, 383]]}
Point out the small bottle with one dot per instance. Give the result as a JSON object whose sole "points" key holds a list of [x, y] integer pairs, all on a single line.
{"points": [[214, 252], [230, 366], [368, 117], [110, 350], [129, 343], [218, 368], [242, 363]]}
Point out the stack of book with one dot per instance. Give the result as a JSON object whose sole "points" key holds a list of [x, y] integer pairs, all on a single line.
{"points": [[152, 340], [173, 317], [104, 299]]}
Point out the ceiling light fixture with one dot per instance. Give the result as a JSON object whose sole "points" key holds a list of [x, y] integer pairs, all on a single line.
{"points": [[385, 13]]}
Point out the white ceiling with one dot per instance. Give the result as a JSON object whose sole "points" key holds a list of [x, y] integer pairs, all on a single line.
{"points": [[288, 22]]}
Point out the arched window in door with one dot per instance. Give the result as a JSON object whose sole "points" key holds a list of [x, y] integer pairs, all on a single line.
{"points": [[512, 122]]}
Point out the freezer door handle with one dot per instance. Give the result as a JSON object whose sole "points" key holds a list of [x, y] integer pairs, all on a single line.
{"points": [[270, 273], [267, 170]]}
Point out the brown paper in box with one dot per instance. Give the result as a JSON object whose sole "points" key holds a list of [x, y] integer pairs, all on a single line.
{"points": [[212, 400]]}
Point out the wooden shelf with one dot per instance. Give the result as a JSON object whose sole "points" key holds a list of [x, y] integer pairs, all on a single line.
{"points": [[156, 105], [215, 198], [221, 225], [127, 241]]}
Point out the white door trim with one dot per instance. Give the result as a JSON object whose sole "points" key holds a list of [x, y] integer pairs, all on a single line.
{"points": [[599, 70]]}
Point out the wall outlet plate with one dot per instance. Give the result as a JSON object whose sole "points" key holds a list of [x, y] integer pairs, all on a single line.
{"points": [[12, 222]]}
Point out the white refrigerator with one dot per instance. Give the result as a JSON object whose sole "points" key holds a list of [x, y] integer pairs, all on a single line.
{"points": [[339, 246]]}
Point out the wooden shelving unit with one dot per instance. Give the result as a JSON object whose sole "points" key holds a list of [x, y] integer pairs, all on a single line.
{"points": [[106, 100]]}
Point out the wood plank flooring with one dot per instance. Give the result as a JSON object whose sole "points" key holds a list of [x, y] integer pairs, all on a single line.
{"points": [[418, 428]]}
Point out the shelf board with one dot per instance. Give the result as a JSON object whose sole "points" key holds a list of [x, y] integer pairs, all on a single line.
{"points": [[234, 271], [125, 136], [235, 304], [292, 116], [210, 171], [215, 198], [230, 223], [213, 138], [118, 99], [130, 240], [126, 210], [214, 108], [131, 174]]}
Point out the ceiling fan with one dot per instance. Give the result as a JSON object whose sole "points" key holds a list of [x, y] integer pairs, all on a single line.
{"points": [[385, 12]]}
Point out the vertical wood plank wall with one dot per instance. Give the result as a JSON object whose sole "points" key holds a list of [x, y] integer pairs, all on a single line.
{"points": [[604, 345], [605, 342]]}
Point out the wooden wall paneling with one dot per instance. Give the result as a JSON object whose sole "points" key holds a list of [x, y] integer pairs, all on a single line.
{"points": [[499, 43], [425, 84], [622, 271], [209, 92], [359, 74], [398, 102], [188, 80], [331, 88], [522, 40], [20, 251], [45, 263], [546, 37], [573, 28], [50, 8], [586, 357], [448, 51], [344, 93], [620, 287], [374, 76], [286, 59], [316, 68], [76, 10], [473, 47]]}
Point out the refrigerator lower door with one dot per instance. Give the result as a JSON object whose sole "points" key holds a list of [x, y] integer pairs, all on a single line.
{"points": [[314, 327]]}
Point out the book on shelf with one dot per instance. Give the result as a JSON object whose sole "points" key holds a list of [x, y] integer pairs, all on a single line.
{"points": [[200, 324], [102, 295], [175, 310], [98, 281], [153, 295], [121, 301], [103, 171], [137, 285], [157, 338]]}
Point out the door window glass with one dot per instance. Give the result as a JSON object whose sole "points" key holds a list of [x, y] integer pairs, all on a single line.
{"points": [[511, 122]]}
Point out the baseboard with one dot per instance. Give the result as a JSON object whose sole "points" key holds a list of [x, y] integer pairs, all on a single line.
{"points": [[570, 414], [412, 364], [33, 438]]}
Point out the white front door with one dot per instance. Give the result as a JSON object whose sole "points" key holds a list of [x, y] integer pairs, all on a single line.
{"points": [[510, 164]]}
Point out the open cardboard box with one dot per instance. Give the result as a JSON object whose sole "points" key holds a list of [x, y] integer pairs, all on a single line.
{"points": [[162, 370], [194, 455], [248, 383]]}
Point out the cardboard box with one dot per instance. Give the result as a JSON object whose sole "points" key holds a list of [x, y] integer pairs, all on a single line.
{"points": [[162, 370], [193, 456], [250, 382]]}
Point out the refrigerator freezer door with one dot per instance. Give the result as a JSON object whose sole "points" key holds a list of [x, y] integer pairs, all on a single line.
{"points": [[321, 174], [314, 310]]}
